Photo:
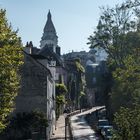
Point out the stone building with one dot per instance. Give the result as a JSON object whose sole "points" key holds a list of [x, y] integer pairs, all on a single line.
{"points": [[82, 55], [35, 78], [42, 68]]}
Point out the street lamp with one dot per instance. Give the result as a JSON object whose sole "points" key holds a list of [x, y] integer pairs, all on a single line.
{"points": [[65, 116]]}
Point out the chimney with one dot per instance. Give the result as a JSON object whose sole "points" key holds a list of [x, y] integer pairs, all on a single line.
{"points": [[28, 47], [58, 50]]}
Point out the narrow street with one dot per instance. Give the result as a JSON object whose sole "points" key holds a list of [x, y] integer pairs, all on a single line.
{"points": [[79, 127]]}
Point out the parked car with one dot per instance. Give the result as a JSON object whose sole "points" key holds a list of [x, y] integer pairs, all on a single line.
{"points": [[102, 123], [106, 131]]}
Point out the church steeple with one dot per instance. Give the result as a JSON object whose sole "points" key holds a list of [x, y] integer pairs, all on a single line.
{"points": [[49, 15], [49, 35], [49, 27]]}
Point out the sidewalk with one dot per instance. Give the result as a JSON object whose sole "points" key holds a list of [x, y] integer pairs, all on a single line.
{"points": [[59, 133]]}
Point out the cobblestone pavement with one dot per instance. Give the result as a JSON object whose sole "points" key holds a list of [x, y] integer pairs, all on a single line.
{"points": [[59, 133]]}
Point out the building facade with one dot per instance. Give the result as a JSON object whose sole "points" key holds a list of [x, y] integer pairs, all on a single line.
{"points": [[41, 70]]}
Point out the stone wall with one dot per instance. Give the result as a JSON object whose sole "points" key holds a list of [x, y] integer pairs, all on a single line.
{"points": [[33, 91]]}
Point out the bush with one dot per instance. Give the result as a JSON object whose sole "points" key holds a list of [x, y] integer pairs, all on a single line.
{"points": [[23, 124]]}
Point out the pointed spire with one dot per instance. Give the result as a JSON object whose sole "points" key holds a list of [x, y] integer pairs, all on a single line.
{"points": [[49, 15], [49, 34], [49, 24]]}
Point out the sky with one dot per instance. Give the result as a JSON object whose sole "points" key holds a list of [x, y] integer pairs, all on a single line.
{"points": [[74, 20]]}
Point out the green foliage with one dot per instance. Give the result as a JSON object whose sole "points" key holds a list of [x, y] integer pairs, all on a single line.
{"points": [[60, 89], [23, 124], [76, 66], [10, 60], [126, 87], [79, 67], [82, 94], [80, 82], [128, 124], [34, 120], [116, 27], [60, 99], [118, 33], [126, 94]]}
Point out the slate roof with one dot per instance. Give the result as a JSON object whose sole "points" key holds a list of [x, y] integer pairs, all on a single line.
{"points": [[50, 55]]}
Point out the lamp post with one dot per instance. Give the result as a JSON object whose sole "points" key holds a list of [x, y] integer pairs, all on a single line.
{"points": [[65, 115]]}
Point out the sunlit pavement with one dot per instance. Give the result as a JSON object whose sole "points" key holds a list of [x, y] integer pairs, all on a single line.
{"points": [[59, 133], [80, 129]]}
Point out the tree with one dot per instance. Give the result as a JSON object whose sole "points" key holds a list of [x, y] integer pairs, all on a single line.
{"points": [[128, 123], [118, 33], [76, 81], [111, 33], [125, 91], [79, 82], [125, 97], [10, 61]]}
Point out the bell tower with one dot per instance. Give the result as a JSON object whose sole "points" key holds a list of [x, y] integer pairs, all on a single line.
{"points": [[49, 37]]}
